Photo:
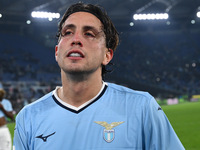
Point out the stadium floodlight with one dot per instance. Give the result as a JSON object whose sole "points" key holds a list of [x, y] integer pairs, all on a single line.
{"points": [[0, 15], [28, 22], [168, 22], [193, 64], [131, 24], [192, 21], [41, 14], [157, 16], [198, 14]]}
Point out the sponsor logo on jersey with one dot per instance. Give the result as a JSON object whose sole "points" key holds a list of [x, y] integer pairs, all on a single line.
{"points": [[44, 138], [108, 132]]}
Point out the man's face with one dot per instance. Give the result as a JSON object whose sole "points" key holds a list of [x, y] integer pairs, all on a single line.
{"points": [[82, 47]]}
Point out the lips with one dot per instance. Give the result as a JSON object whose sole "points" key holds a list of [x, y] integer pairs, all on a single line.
{"points": [[75, 53]]}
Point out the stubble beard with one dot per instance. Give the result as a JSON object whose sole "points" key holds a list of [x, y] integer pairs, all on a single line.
{"points": [[79, 75]]}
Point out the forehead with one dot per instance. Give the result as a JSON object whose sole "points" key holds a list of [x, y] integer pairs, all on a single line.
{"points": [[83, 19]]}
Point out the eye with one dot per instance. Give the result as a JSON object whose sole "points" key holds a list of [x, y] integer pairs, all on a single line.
{"points": [[67, 33], [89, 34]]}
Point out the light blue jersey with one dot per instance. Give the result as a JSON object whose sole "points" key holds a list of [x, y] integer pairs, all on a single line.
{"points": [[7, 106], [118, 118]]}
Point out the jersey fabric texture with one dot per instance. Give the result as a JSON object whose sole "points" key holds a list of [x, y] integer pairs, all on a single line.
{"points": [[7, 106], [118, 118]]}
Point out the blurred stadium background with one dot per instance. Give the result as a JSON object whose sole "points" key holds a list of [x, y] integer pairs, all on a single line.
{"points": [[159, 56]]}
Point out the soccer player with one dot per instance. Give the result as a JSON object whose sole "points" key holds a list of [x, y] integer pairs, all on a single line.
{"points": [[87, 113], [6, 111]]}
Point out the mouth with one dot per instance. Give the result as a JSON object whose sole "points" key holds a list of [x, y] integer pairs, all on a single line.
{"points": [[75, 54]]}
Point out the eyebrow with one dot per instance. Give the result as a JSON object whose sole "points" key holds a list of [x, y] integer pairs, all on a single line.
{"points": [[69, 26], [85, 28]]}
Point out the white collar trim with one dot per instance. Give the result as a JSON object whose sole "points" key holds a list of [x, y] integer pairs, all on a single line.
{"points": [[83, 105]]}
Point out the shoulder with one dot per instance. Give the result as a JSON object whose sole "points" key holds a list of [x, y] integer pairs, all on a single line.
{"points": [[7, 105], [37, 105], [134, 100], [6, 102]]}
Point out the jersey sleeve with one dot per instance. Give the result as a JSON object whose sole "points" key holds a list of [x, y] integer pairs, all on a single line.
{"points": [[8, 106], [159, 134], [20, 141]]}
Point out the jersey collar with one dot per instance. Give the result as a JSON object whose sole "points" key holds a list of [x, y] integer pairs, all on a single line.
{"points": [[83, 106]]}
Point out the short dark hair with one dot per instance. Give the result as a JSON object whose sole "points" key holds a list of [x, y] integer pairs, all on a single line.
{"points": [[2, 94], [112, 36]]}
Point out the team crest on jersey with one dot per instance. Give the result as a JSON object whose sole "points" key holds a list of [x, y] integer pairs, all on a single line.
{"points": [[108, 132]]}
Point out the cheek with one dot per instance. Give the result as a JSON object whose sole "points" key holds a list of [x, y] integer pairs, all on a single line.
{"points": [[101, 46], [64, 43], [100, 51]]}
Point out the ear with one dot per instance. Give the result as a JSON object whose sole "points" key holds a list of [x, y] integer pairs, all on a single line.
{"points": [[56, 51], [108, 56]]}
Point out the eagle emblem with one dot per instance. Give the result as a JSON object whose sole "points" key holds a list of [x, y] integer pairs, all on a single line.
{"points": [[108, 132]]}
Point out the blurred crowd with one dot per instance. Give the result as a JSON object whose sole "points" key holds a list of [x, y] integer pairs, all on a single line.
{"points": [[23, 92], [169, 62]]}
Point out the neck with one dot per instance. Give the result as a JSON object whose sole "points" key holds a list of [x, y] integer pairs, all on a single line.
{"points": [[79, 89]]}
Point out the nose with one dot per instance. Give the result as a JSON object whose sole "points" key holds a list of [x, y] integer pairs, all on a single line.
{"points": [[76, 40]]}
